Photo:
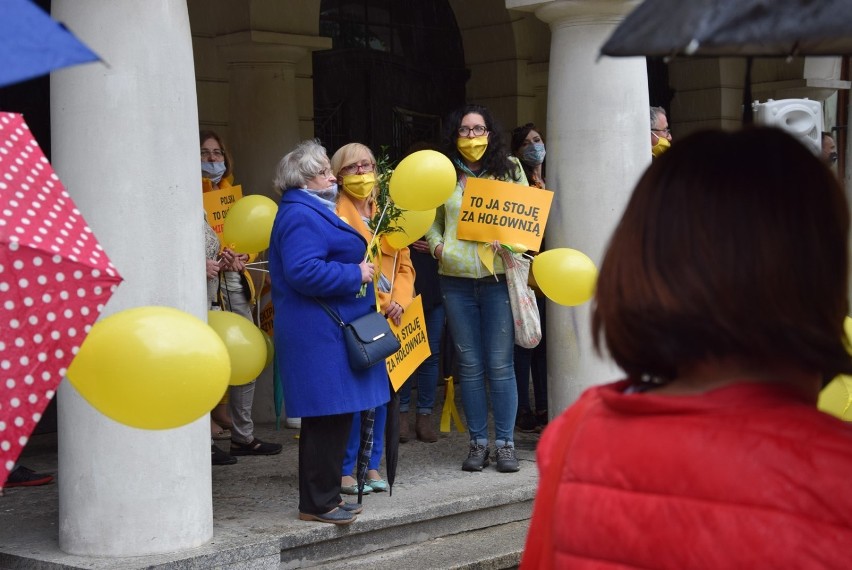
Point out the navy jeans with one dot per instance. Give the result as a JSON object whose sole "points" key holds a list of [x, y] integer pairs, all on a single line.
{"points": [[426, 374]]}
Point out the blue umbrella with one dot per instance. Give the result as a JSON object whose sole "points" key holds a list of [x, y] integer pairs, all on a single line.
{"points": [[32, 43]]}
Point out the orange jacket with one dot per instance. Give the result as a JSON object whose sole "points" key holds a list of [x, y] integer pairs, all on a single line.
{"points": [[399, 272]]}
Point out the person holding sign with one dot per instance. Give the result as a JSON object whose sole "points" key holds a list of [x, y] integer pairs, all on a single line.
{"points": [[476, 298], [314, 255], [354, 166], [528, 146], [236, 294]]}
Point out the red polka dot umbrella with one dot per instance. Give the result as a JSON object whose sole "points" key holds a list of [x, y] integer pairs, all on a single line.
{"points": [[54, 281]]}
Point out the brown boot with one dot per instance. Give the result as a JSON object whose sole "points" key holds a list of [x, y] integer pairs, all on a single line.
{"points": [[423, 428], [404, 427]]}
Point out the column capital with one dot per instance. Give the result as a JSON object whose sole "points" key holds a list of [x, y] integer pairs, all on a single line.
{"points": [[268, 47], [554, 10]]}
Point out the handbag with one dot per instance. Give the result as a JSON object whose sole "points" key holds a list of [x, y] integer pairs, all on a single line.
{"points": [[369, 339], [522, 300]]}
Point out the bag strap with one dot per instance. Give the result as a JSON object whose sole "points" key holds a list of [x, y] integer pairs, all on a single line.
{"points": [[331, 313]]}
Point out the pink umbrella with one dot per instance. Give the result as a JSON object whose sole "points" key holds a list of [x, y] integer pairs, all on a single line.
{"points": [[54, 281]]}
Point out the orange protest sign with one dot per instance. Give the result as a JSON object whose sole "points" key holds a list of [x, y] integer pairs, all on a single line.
{"points": [[414, 348], [502, 211], [217, 203]]}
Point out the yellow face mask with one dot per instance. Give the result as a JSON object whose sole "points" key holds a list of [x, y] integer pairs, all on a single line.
{"points": [[662, 146], [359, 185], [472, 149]]}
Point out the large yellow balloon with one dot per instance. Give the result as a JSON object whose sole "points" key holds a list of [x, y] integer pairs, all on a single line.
{"points": [[248, 225], [151, 367], [565, 276], [423, 180], [412, 225], [244, 342], [836, 398]]}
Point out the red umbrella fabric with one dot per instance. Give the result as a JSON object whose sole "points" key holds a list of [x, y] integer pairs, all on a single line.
{"points": [[54, 280]]}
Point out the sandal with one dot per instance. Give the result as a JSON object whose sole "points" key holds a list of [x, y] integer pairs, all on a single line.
{"points": [[255, 447], [378, 485], [353, 489]]}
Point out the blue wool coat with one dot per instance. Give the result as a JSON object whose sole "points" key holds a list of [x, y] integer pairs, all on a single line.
{"points": [[313, 253]]}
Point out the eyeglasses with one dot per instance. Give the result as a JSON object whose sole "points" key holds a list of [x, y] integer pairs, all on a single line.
{"points": [[477, 131], [667, 131], [212, 153], [324, 173], [361, 166]]}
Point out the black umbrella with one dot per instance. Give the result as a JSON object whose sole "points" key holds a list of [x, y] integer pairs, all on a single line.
{"points": [[392, 440], [722, 28], [365, 449]]}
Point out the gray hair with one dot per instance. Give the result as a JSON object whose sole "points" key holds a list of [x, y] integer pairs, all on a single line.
{"points": [[655, 112], [300, 165]]}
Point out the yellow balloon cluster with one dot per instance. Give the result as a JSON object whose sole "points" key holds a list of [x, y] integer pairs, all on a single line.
{"points": [[423, 180], [151, 367], [412, 225], [248, 225], [566, 276], [244, 342]]}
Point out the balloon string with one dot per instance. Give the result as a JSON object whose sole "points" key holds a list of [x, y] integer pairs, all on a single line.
{"points": [[257, 269], [264, 262]]}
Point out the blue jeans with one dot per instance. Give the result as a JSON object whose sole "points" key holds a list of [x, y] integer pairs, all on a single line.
{"points": [[351, 457], [480, 321], [426, 374]]}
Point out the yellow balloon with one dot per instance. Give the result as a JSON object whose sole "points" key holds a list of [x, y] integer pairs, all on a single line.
{"points": [[412, 224], [423, 180], [565, 276], [248, 225], [270, 349], [151, 367], [244, 342], [836, 398]]}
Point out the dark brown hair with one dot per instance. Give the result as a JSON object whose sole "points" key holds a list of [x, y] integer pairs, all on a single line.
{"points": [[204, 135], [732, 245]]}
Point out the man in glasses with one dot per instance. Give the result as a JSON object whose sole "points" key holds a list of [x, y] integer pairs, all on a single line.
{"points": [[661, 136], [829, 149]]}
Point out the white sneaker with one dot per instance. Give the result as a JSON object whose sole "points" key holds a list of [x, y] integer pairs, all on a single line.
{"points": [[293, 423]]}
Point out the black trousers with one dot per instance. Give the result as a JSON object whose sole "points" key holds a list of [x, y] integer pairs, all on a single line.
{"points": [[322, 447]]}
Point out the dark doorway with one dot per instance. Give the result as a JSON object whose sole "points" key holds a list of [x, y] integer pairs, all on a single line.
{"points": [[394, 71]]}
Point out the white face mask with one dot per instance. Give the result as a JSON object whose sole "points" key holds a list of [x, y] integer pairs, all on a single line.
{"points": [[329, 193], [213, 171]]}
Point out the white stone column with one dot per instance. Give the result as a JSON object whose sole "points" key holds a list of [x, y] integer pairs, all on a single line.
{"points": [[598, 145], [263, 101], [125, 143]]}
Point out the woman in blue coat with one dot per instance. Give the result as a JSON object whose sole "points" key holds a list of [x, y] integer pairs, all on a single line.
{"points": [[315, 254]]}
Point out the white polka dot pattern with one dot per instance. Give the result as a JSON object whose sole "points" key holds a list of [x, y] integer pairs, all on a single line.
{"points": [[54, 279]]}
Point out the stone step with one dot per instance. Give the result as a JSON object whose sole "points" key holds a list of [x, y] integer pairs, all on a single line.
{"points": [[492, 548], [499, 517]]}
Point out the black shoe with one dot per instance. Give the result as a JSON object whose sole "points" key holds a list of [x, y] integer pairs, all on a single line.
{"points": [[220, 457], [526, 421], [354, 508], [477, 458], [506, 460], [24, 477], [256, 447]]}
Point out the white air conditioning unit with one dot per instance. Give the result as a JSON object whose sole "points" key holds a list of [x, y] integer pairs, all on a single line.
{"points": [[802, 118]]}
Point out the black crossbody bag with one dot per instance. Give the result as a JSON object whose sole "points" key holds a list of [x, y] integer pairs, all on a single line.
{"points": [[369, 339]]}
